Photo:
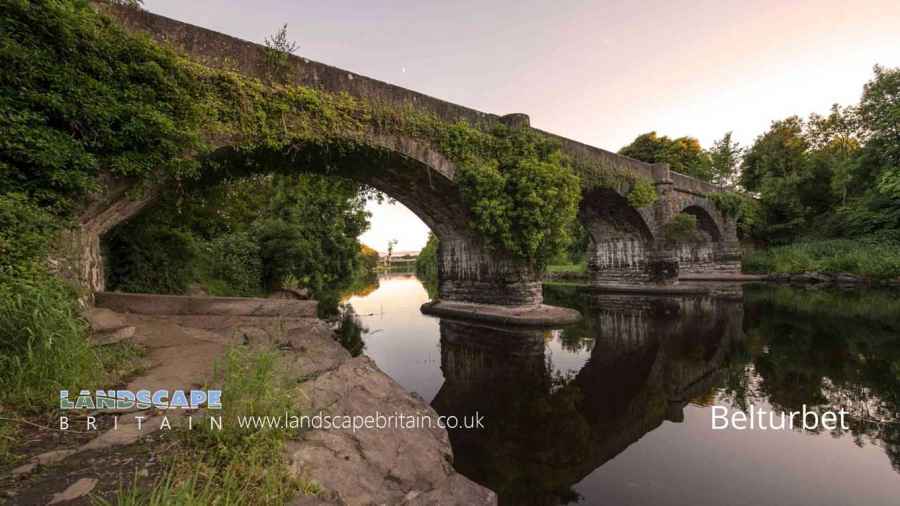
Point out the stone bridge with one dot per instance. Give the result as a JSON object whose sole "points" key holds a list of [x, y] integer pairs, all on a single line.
{"points": [[628, 244]]}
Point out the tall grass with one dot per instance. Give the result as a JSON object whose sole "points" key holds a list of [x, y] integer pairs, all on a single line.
{"points": [[869, 258], [43, 344], [234, 465]]}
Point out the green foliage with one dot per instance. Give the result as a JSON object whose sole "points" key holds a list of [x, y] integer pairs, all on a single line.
{"points": [[349, 331], [871, 258], [523, 207], [147, 257], [427, 261], [684, 154], [233, 265], [234, 465], [729, 203], [78, 94], [43, 345], [681, 228], [25, 232], [642, 194], [278, 51], [725, 159]]}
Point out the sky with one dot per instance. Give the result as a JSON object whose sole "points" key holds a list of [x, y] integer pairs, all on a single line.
{"points": [[599, 72]]}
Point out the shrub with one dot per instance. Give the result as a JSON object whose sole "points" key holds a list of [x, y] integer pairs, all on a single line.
{"points": [[232, 265], [25, 232], [866, 257], [642, 193], [150, 258], [682, 228]]}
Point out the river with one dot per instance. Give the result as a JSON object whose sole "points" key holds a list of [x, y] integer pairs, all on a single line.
{"points": [[618, 409]]}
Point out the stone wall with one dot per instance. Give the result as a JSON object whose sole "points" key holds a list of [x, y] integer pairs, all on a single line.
{"points": [[468, 271]]}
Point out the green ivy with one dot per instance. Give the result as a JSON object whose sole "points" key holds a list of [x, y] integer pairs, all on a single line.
{"points": [[682, 228], [642, 193], [79, 96]]}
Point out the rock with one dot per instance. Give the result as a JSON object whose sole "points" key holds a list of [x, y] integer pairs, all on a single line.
{"points": [[391, 465], [458, 490], [105, 320], [24, 470], [128, 431], [845, 278], [196, 290], [112, 336], [76, 490], [290, 293], [810, 277], [51, 457]]}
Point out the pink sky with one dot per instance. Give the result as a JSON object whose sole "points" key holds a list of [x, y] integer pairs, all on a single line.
{"points": [[597, 72]]}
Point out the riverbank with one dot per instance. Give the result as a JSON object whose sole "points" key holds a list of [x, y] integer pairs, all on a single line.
{"points": [[303, 364]]}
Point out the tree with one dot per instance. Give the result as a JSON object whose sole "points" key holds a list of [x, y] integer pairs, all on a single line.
{"points": [[684, 154], [278, 51], [725, 160], [780, 152]]}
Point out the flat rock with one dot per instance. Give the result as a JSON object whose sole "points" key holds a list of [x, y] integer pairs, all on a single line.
{"points": [[104, 320], [128, 432], [112, 336], [534, 316], [152, 304], [376, 466], [76, 490]]}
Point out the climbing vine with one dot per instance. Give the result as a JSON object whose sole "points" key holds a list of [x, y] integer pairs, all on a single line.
{"points": [[682, 229], [642, 194], [125, 105]]}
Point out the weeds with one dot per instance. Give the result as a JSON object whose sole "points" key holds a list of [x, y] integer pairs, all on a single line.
{"points": [[43, 345], [869, 258], [232, 465]]}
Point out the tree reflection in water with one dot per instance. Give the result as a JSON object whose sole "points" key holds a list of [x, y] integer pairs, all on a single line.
{"points": [[649, 358]]}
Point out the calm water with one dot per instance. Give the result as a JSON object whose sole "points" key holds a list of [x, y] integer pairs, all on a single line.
{"points": [[617, 410]]}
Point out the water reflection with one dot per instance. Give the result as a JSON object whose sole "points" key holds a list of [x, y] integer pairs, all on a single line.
{"points": [[616, 410], [547, 431]]}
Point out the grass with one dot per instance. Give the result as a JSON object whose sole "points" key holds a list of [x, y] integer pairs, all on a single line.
{"points": [[44, 347], [7, 442], [234, 465], [868, 258], [580, 267], [43, 344]]}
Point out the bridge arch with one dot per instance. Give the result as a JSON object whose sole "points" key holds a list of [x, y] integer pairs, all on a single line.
{"points": [[621, 237], [702, 255], [406, 169]]}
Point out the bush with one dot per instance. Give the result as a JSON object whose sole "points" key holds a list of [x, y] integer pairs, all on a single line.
{"points": [[865, 257], [232, 265], [642, 193], [150, 259], [25, 232], [682, 228]]}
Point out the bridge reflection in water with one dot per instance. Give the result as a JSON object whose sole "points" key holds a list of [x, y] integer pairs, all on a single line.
{"points": [[547, 431], [616, 410]]}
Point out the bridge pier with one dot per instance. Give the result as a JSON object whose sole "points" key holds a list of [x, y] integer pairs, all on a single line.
{"points": [[481, 284]]}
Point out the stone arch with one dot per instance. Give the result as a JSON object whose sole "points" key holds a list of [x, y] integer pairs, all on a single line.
{"points": [[621, 237], [406, 169], [702, 256], [708, 219]]}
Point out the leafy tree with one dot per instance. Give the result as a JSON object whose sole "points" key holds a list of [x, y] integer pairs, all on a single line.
{"points": [[684, 154], [725, 159]]}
